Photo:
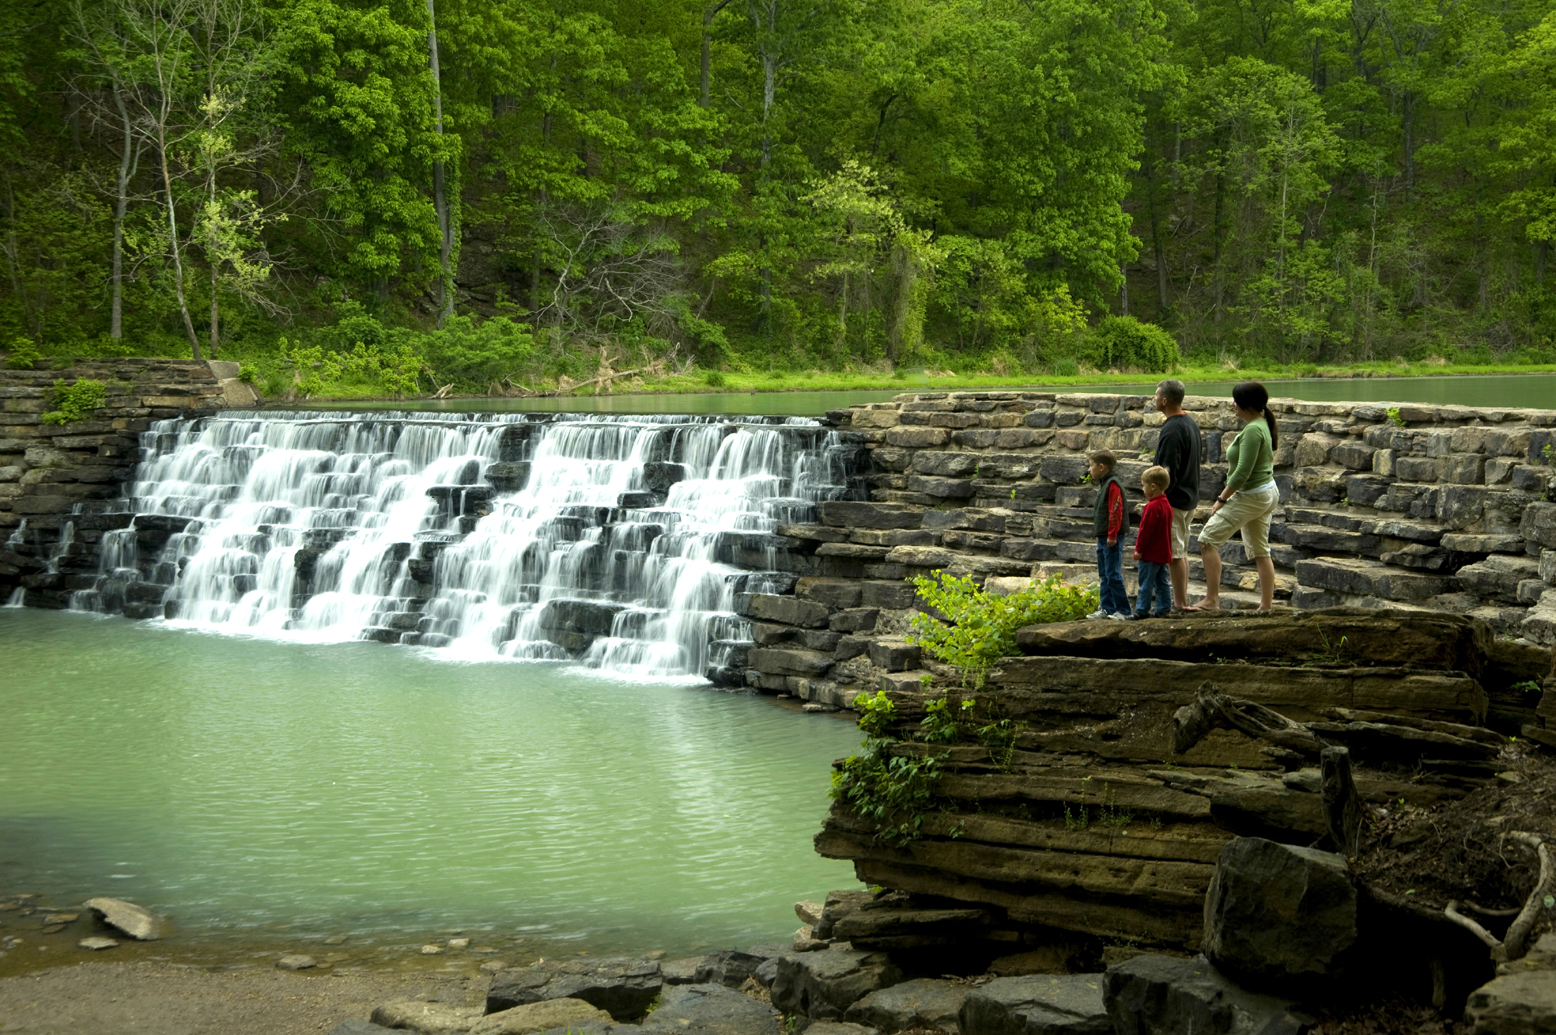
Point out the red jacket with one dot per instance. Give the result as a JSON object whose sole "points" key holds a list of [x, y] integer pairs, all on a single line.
{"points": [[1153, 542]]}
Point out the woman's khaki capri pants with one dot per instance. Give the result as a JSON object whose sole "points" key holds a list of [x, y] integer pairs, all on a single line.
{"points": [[1249, 511]]}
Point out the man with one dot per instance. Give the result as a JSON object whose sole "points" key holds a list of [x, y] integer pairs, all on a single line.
{"points": [[1179, 448]]}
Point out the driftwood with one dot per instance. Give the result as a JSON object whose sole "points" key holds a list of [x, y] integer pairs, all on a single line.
{"points": [[1193, 722], [1515, 944], [603, 378]]}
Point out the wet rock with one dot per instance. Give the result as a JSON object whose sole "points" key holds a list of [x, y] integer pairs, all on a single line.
{"points": [[726, 967], [837, 905], [824, 984], [1159, 995], [638, 500], [296, 962], [659, 475], [508, 475], [424, 1017], [809, 912], [534, 1017], [805, 940], [623, 987], [711, 1010], [920, 1003], [1067, 1004], [136, 921], [98, 944]]}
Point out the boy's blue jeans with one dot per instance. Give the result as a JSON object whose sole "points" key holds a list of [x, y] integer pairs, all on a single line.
{"points": [[1154, 586], [1110, 572]]}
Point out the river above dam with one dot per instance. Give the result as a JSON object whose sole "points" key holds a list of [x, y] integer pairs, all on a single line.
{"points": [[1536, 391], [246, 786]]}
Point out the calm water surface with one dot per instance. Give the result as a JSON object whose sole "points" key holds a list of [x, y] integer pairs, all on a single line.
{"points": [[241, 784], [1527, 390]]}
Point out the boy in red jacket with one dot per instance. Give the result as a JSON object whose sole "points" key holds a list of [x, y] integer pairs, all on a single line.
{"points": [[1153, 545]]}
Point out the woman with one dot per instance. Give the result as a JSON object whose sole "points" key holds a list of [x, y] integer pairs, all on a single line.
{"points": [[1248, 500]]}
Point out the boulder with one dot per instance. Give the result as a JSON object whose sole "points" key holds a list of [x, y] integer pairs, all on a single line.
{"points": [[623, 987], [712, 1010], [534, 1017], [296, 961], [726, 967], [1048, 1004], [508, 475], [426, 1018], [1279, 917], [679, 972], [1514, 1004], [823, 985], [136, 921], [1161, 995], [920, 1003], [659, 475]]}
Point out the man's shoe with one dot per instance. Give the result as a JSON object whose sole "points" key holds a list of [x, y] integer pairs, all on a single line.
{"points": [[1119, 616], [1098, 613]]}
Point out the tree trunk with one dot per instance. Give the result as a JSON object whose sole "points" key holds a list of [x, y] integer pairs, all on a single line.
{"points": [[121, 205], [707, 48], [439, 186], [178, 259]]}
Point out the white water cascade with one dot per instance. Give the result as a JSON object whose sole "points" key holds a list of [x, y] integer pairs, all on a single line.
{"points": [[612, 540]]}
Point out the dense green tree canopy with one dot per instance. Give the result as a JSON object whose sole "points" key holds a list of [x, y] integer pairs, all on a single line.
{"points": [[777, 183]]}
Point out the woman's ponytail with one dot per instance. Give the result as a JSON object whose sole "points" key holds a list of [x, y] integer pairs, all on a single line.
{"points": [[1251, 395]]}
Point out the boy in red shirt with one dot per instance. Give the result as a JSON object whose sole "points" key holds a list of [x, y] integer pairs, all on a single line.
{"points": [[1153, 546]]}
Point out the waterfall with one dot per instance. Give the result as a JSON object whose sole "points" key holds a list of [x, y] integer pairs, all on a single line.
{"points": [[610, 540]]}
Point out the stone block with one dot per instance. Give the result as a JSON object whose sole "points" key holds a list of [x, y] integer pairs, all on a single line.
{"points": [[623, 987], [1065, 470], [1520, 1003], [949, 465], [1313, 450], [1280, 917], [823, 985], [917, 438], [1539, 524], [1040, 1004], [859, 619], [1498, 577], [1364, 578], [942, 488], [966, 518], [1415, 469], [786, 610], [711, 1009], [894, 654], [1461, 469], [1158, 995], [853, 514], [829, 592], [1356, 456], [888, 596], [782, 661]]}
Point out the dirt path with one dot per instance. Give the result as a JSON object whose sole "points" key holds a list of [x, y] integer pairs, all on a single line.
{"points": [[147, 998]]}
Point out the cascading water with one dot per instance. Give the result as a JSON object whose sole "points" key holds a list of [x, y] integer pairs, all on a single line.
{"points": [[606, 539]]}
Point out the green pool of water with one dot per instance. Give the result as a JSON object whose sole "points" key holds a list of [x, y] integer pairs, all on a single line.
{"points": [[244, 786], [1523, 391]]}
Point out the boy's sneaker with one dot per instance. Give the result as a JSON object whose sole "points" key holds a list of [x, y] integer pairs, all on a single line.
{"points": [[1119, 616], [1098, 613], [1138, 616]]}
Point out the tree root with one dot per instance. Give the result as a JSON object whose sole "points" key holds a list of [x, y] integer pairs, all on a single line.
{"points": [[1515, 945]]}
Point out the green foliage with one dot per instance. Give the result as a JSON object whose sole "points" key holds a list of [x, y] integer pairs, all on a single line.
{"points": [[714, 379], [1395, 417], [75, 401], [893, 790], [23, 353], [1124, 343], [999, 739], [943, 719], [876, 714], [981, 628]]}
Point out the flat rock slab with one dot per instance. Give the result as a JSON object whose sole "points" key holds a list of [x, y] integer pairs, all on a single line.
{"points": [[622, 987], [135, 921], [534, 1017], [98, 944], [679, 972], [426, 1018], [296, 962], [1278, 916], [711, 1010], [920, 1003], [822, 985], [1159, 995], [1514, 1004], [1038, 1004]]}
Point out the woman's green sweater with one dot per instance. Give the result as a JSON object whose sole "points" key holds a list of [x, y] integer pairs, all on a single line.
{"points": [[1250, 457]]}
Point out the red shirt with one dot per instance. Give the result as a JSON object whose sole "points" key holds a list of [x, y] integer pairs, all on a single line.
{"points": [[1153, 542]]}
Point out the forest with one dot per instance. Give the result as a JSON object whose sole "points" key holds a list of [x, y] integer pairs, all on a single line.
{"points": [[397, 194]]}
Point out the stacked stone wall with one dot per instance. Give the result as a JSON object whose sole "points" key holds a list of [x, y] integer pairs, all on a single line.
{"points": [[1446, 508], [54, 476]]}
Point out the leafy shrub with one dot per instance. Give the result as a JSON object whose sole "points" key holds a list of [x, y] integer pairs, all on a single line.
{"points": [[76, 401], [23, 353], [982, 628], [1066, 368], [366, 369], [894, 790], [475, 354], [714, 379], [1124, 342]]}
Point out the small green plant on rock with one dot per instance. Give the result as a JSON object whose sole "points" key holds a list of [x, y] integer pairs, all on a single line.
{"points": [[942, 722], [75, 401], [981, 628], [22, 354], [1395, 417], [885, 783]]}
